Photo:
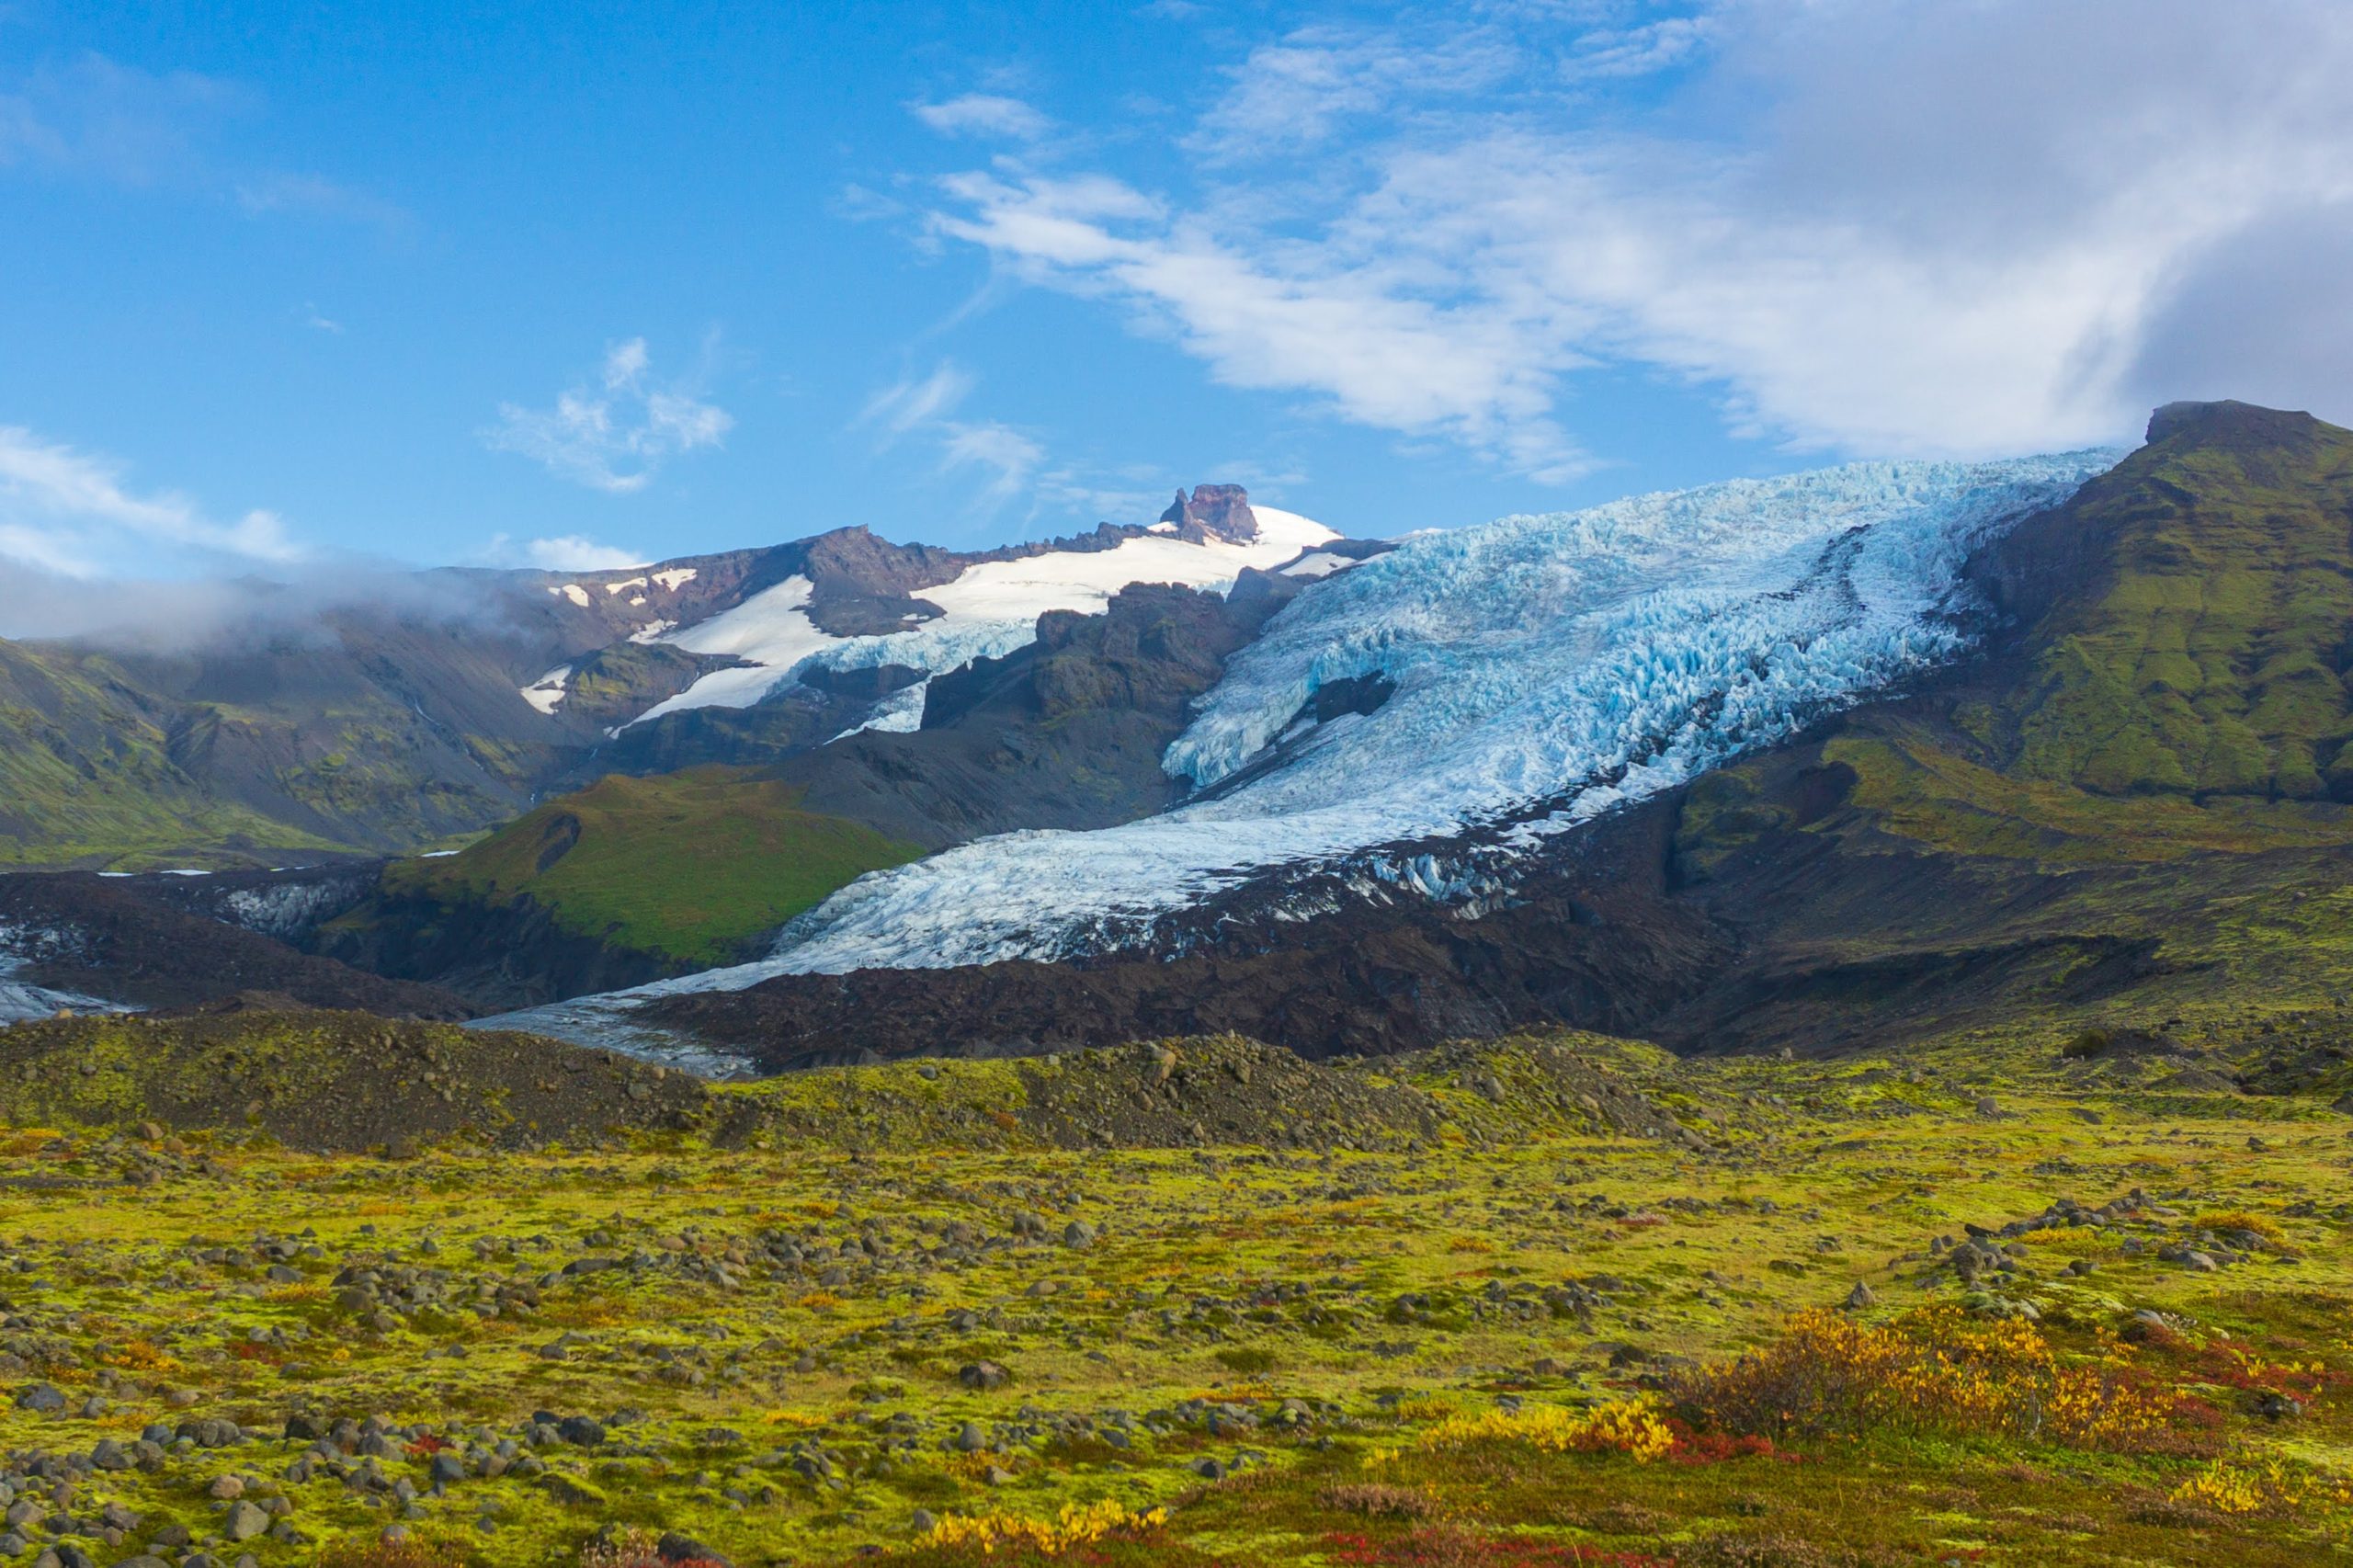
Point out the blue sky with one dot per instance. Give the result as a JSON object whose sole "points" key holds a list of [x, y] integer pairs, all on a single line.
{"points": [[283, 285]]}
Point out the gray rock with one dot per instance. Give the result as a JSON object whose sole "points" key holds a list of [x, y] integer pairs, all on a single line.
{"points": [[244, 1521], [580, 1431], [42, 1399], [985, 1376]]}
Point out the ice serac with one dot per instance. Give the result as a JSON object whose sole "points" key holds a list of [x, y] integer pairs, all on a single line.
{"points": [[1540, 671]]}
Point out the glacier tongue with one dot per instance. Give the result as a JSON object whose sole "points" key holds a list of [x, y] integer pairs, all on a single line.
{"points": [[1555, 665]]}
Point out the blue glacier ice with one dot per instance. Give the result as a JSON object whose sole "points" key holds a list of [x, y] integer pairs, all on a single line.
{"points": [[1546, 668]]}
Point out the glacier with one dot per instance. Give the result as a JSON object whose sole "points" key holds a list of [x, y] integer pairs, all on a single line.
{"points": [[1545, 669], [23, 1002]]}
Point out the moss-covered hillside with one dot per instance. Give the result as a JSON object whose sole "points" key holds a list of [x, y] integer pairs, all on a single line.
{"points": [[684, 867], [88, 775], [2212, 660]]}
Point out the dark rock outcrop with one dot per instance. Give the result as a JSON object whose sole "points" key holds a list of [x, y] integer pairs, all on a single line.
{"points": [[1066, 732], [499, 956], [1215, 511], [101, 938]]}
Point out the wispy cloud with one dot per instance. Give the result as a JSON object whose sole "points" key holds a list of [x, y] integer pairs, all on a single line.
{"points": [[70, 513], [1009, 465], [984, 114], [1640, 51], [311, 195], [1338, 320], [924, 406], [1004, 457], [91, 117], [1956, 230], [1300, 91], [902, 406], [613, 434]]}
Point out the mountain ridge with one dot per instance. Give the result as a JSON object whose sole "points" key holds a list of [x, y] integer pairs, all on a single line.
{"points": [[463, 696]]}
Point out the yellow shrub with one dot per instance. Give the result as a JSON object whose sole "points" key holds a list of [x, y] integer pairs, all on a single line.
{"points": [[1621, 1427], [2240, 1220], [1077, 1525], [142, 1355], [2229, 1489], [1935, 1369]]}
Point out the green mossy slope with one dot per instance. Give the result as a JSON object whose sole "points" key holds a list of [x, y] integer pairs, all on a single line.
{"points": [[2214, 660], [87, 775], [686, 865]]}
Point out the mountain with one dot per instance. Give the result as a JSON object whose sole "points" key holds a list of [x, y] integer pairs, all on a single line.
{"points": [[1892, 750], [409, 712], [637, 878]]}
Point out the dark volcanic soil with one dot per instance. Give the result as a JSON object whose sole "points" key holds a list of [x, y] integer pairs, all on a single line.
{"points": [[1600, 944], [115, 941]]}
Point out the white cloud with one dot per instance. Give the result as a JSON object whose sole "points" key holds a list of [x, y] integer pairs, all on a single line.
{"points": [[922, 405], [616, 435], [1961, 228], [90, 116], [572, 553], [1333, 320], [984, 114], [68, 513]]}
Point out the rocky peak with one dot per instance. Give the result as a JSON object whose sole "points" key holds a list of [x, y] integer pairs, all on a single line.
{"points": [[1216, 511], [2229, 420]]}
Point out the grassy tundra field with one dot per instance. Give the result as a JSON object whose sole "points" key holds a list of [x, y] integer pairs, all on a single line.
{"points": [[1563, 1300]]}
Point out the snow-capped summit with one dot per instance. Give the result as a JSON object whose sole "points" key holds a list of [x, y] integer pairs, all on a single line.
{"points": [[980, 607]]}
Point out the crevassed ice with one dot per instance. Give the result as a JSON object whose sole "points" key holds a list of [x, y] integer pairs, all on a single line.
{"points": [[1530, 656]]}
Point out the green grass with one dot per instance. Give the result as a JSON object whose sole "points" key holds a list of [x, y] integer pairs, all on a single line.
{"points": [[686, 865]]}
